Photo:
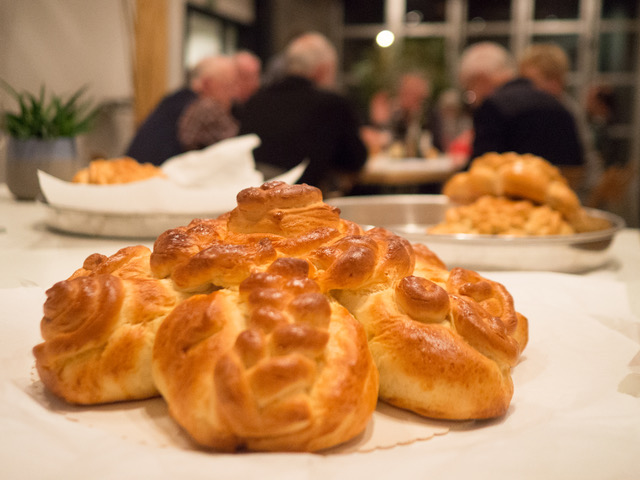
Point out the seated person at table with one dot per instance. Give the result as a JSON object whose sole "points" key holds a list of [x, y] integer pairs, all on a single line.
{"points": [[547, 66], [157, 139], [209, 119], [249, 75], [404, 114], [299, 118], [510, 114]]}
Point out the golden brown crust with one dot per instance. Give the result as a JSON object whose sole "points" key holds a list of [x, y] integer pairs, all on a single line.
{"points": [[274, 366], [503, 216], [269, 327], [116, 170], [98, 329], [443, 348], [523, 176]]}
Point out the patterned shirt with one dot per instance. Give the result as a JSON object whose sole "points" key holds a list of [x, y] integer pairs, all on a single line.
{"points": [[204, 123]]}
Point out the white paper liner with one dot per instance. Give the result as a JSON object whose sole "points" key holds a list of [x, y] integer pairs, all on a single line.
{"points": [[571, 393], [198, 181]]}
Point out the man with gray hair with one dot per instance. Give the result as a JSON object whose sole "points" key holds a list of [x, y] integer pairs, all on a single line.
{"points": [[510, 114], [298, 117], [159, 138]]}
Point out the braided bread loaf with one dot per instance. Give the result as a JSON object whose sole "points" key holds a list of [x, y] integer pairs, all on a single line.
{"points": [[287, 323], [523, 176], [99, 326]]}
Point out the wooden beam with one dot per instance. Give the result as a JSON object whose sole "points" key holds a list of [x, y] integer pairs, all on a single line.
{"points": [[151, 52]]}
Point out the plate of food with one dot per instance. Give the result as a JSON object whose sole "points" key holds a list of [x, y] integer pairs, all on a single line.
{"points": [[507, 212], [121, 197]]}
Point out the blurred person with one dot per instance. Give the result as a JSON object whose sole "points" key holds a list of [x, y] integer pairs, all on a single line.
{"points": [[610, 191], [511, 114], [547, 66], [209, 118], [452, 119], [249, 74], [157, 139], [298, 117], [403, 113]]}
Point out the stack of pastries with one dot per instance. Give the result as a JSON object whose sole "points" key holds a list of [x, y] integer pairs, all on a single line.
{"points": [[514, 194], [279, 325], [116, 170]]}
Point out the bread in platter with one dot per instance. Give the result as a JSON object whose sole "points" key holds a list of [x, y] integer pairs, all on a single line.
{"points": [[116, 170], [99, 327], [490, 215], [521, 176], [288, 323]]}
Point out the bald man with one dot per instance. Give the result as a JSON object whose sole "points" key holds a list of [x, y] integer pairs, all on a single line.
{"points": [[299, 117], [157, 138]]}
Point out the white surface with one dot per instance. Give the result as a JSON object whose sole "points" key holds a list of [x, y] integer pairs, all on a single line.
{"points": [[573, 415], [196, 181]]}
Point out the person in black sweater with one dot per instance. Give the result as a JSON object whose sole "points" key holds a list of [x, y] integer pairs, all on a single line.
{"points": [[298, 117], [161, 136], [511, 114]]}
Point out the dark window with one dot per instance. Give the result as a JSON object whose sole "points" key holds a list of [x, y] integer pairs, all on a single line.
{"points": [[489, 10], [556, 9], [618, 52], [620, 9], [363, 11], [425, 10]]}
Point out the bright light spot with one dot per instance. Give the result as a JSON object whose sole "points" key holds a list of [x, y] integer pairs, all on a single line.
{"points": [[385, 38]]}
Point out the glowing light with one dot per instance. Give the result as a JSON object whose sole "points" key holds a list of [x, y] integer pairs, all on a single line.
{"points": [[385, 38]]}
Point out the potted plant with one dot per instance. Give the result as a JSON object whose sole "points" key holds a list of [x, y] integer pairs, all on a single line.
{"points": [[42, 136]]}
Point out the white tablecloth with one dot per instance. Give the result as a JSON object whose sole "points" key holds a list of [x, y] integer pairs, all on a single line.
{"points": [[575, 412]]}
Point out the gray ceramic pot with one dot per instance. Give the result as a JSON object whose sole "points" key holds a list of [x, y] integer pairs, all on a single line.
{"points": [[57, 157]]}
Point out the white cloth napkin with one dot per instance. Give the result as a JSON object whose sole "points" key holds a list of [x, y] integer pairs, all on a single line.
{"points": [[201, 181]]}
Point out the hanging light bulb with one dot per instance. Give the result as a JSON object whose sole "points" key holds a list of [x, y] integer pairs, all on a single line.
{"points": [[385, 38]]}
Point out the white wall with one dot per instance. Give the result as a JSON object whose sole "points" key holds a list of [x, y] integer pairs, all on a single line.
{"points": [[67, 44]]}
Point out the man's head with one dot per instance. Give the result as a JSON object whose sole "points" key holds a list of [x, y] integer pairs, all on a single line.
{"points": [[216, 78], [312, 56], [413, 91], [484, 66], [249, 72], [547, 66]]}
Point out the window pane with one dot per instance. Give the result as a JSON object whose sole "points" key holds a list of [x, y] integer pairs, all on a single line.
{"points": [[489, 10], [552, 9], [623, 102], [618, 52], [427, 10], [363, 11], [365, 65], [426, 54], [569, 43], [620, 9], [620, 150]]}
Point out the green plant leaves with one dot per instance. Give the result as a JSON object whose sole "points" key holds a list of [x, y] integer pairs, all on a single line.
{"points": [[39, 117]]}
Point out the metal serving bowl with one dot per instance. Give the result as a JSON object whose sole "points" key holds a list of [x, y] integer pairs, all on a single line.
{"points": [[411, 215]]}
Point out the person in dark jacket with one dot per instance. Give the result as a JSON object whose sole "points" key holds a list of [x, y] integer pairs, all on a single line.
{"points": [[511, 114], [161, 135], [299, 117]]}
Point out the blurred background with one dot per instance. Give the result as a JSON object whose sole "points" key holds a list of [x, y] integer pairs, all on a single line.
{"points": [[132, 52]]}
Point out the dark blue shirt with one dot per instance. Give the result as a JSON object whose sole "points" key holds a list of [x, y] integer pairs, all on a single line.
{"points": [[157, 138], [520, 118]]}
